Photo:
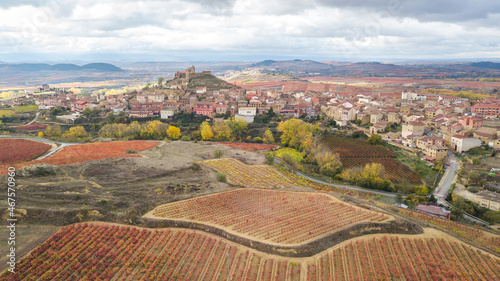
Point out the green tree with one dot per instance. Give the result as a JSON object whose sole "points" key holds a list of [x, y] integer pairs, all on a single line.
{"points": [[160, 81], [53, 131], [238, 126], [375, 139]]}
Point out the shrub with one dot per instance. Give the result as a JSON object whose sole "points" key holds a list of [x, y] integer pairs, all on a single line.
{"points": [[218, 153], [185, 138], [289, 159], [131, 151], [220, 177], [295, 154], [476, 161], [473, 190], [269, 159]]}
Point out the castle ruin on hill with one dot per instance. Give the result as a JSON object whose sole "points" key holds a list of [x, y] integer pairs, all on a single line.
{"points": [[181, 78]]}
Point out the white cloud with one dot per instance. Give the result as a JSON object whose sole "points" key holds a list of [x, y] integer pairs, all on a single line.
{"points": [[326, 29]]}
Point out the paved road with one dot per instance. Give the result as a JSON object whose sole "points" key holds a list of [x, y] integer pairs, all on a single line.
{"points": [[448, 178], [350, 187], [33, 121]]}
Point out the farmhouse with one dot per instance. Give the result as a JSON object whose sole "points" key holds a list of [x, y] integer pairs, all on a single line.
{"points": [[433, 211], [488, 199]]}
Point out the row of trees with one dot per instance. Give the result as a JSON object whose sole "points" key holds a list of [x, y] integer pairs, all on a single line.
{"points": [[135, 130], [74, 134], [230, 130]]}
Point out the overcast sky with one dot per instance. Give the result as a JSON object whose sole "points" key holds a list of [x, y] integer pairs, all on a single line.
{"points": [[344, 30]]}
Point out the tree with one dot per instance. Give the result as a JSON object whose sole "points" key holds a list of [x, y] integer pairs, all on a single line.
{"points": [[160, 81], [476, 161], [296, 133], [268, 136], [53, 131], [375, 139], [75, 133], [41, 134], [173, 133], [238, 126], [206, 131], [357, 122], [154, 130], [222, 131]]}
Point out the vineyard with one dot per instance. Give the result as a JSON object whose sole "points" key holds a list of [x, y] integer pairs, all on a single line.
{"points": [[470, 233], [101, 252], [91, 251], [323, 187], [277, 216], [250, 146], [358, 153], [239, 173], [395, 258], [32, 127], [94, 151], [20, 150]]}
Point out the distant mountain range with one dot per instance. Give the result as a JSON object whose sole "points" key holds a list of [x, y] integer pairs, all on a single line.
{"points": [[29, 67], [304, 68]]}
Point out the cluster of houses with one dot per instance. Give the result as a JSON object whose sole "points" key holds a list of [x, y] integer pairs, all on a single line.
{"points": [[430, 123]]}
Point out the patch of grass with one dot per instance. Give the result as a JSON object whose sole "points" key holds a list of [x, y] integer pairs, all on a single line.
{"points": [[6, 112], [26, 108], [427, 173]]}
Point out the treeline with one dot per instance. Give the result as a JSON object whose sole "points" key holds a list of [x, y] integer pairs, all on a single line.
{"points": [[151, 130]]}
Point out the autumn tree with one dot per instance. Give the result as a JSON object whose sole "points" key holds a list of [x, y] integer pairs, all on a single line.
{"points": [[296, 133], [238, 126], [268, 136], [75, 133], [154, 130], [222, 131], [173, 133], [206, 131], [371, 176], [375, 139], [52, 131]]}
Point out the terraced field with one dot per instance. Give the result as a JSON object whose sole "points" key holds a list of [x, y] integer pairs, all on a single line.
{"points": [[239, 173], [282, 217]]}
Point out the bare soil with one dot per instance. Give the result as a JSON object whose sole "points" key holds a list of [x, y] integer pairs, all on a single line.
{"points": [[122, 190]]}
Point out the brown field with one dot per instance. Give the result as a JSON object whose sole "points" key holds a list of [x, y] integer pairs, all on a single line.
{"points": [[281, 217], [98, 251]]}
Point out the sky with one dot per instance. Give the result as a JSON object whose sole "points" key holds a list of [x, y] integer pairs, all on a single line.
{"points": [[251, 30]]}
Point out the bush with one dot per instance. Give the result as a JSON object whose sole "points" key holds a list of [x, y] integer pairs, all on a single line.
{"points": [[295, 154], [218, 153], [473, 190], [476, 161], [289, 159], [269, 159], [220, 177], [185, 138], [131, 151], [492, 216]]}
